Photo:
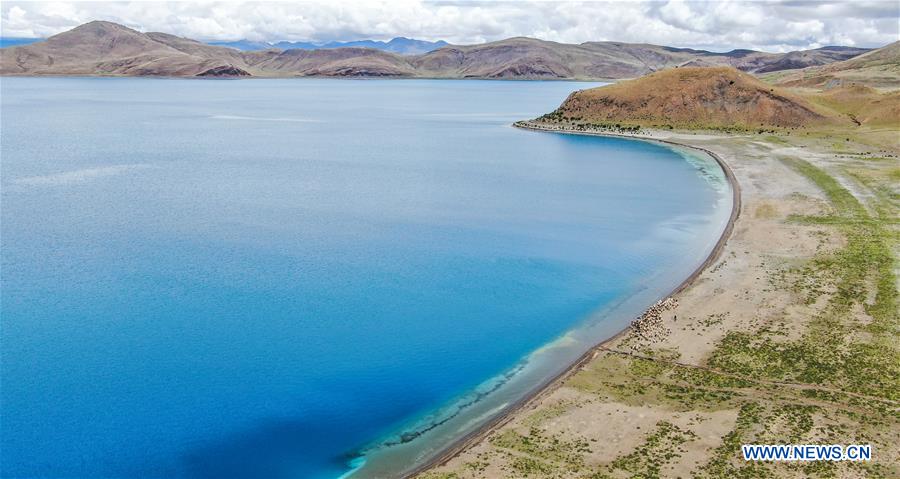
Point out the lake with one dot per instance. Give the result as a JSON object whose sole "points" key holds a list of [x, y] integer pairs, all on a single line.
{"points": [[303, 278]]}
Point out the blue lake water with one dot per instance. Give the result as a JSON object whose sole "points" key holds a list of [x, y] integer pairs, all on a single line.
{"points": [[287, 278]]}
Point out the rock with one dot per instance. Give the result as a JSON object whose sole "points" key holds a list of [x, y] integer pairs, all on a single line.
{"points": [[224, 71]]}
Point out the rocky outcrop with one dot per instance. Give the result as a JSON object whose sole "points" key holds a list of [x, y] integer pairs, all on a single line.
{"points": [[224, 71]]}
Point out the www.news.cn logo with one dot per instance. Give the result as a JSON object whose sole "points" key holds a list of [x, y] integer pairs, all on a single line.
{"points": [[806, 452]]}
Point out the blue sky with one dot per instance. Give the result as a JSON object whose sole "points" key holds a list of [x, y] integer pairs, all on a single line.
{"points": [[717, 25]]}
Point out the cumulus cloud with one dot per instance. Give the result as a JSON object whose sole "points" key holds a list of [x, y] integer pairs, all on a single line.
{"points": [[767, 25]]}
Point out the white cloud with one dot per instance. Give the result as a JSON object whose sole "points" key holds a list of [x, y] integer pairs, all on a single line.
{"points": [[767, 25]]}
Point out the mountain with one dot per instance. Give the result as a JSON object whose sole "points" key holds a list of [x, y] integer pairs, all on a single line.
{"points": [[762, 62], [531, 58], [689, 97], [104, 48], [399, 45], [338, 62], [243, 45], [411, 46], [879, 68]]}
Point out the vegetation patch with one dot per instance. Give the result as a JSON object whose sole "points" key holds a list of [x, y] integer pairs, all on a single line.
{"points": [[548, 412], [551, 450], [829, 353], [661, 447]]}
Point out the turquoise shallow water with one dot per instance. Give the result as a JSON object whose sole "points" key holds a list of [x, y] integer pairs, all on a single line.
{"points": [[269, 278]]}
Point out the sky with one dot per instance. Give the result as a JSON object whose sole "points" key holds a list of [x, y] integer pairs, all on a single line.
{"points": [[714, 25]]}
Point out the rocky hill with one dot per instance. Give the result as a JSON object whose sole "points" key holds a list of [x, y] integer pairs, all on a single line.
{"points": [[689, 97], [104, 48]]}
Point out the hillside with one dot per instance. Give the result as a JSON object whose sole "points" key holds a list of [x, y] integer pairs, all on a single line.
{"points": [[713, 98], [879, 68], [861, 104], [530, 58], [338, 62], [104, 48]]}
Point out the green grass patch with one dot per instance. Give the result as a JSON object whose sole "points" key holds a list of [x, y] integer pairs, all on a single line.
{"points": [[661, 447], [836, 349], [529, 467], [726, 460], [548, 449], [842, 200]]}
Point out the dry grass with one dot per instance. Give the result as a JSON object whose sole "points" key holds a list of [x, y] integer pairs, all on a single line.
{"points": [[879, 68], [692, 98]]}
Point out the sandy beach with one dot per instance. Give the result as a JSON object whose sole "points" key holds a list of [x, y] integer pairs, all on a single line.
{"points": [[674, 403]]}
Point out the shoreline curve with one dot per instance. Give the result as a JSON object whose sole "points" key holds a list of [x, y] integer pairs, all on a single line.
{"points": [[551, 384]]}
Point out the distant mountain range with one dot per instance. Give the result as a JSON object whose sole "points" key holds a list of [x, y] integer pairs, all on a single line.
{"points": [[399, 45], [105, 48]]}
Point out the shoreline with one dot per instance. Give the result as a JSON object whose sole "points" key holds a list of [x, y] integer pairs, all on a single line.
{"points": [[455, 448]]}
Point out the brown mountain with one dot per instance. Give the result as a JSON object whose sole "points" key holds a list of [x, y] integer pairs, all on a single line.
{"points": [[104, 48], [762, 62], [532, 58], [330, 62], [690, 97]]}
